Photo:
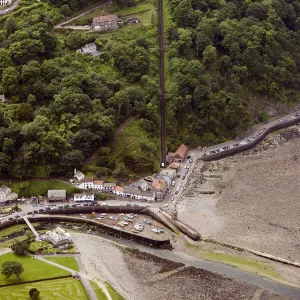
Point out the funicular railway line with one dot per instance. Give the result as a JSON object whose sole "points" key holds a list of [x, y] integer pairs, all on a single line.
{"points": [[162, 81]]}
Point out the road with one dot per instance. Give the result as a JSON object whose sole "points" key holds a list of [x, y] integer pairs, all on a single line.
{"points": [[196, 154], [9, 9], [60, 25]]}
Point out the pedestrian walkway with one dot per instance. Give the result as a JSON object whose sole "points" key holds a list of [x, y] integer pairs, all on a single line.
{"points": [[31, 227]]}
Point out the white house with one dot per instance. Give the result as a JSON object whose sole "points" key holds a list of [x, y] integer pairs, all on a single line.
{"points": [[119, 191], [148, 195], [78, 175], [98, 185], [86, 183], [132, 193], [6, 194], [88, 48], [59, 237], [84, 197], [109, 187], [5, 2]]}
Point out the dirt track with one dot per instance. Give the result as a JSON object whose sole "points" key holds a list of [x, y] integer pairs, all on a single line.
{"points": [[256, 202]]}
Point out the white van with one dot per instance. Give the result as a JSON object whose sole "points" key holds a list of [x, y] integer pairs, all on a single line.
{"points": [[173, 183]]}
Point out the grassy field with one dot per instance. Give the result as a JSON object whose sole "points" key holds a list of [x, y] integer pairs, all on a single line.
{"points": [[252, 266], [60, 289], [33, 269], [129, 142], [42, 246], [28, 188], [69, 262], [113, 293], [143, 11], [100, 294]]}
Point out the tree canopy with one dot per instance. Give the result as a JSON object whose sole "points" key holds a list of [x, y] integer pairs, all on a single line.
{"points": [[225, 55]]}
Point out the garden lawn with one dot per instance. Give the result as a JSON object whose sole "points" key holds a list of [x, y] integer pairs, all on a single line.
{"points": [[100, 294], [28, 188], [33, 269], [113, 293], [69, 262], [60, 289]]}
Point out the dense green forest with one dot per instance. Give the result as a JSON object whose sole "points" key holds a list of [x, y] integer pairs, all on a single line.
{"points": [[221, 56], [62, 105]]}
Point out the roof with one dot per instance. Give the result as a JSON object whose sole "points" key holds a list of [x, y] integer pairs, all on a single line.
{"points": [[106, 18], [87, 180], [147, 193], [133, 19], [98, 182], [158, 184], [119, 189], [110, 184], [57, 193], [129, 190], [89, 45], [181, 151], [5, 189], [174, 165]]}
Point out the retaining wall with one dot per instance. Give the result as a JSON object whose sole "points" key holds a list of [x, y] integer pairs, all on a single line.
{"points": [[104, 228], [250, 145]]}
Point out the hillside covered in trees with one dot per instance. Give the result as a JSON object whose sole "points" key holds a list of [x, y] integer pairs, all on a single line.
{"points": [[62, 105], [221, 56]]}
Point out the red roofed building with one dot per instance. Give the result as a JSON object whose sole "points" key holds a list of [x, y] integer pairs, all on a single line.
{"points": [[103, 23], [181, 153], [159, 188]]}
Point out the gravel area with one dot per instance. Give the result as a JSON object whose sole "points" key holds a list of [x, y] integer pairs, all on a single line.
{"points": [[256, 200], [139, 276]]}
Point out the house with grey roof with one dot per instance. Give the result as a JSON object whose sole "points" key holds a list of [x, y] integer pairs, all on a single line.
{"points": [[108, 187], [57, 195]]}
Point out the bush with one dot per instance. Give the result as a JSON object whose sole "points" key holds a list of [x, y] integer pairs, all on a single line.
{"points": [[34, 294]]}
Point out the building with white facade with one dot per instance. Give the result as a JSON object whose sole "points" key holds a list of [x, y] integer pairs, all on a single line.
{"points": [[87, 183], [108, 187], [6, 194], [5, 2], [98, 185], [59, 237], [78, 175], [134, 193], [84, 197]]}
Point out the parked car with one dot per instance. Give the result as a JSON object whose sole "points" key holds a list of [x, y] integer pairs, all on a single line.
{"points": [[147, 221], [188, 157], [29, 213]]}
